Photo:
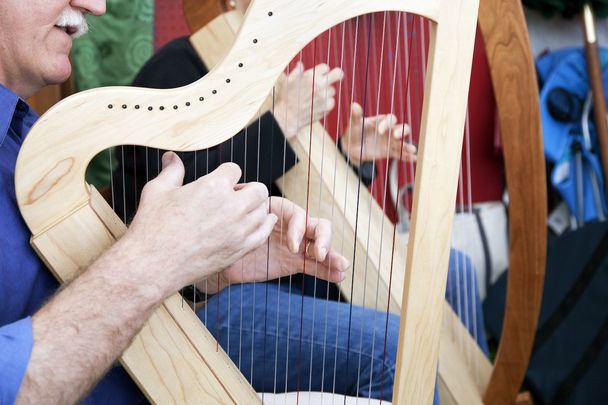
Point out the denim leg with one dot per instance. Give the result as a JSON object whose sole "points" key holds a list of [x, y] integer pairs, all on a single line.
{"points": [[463, 296], [285, 342]]}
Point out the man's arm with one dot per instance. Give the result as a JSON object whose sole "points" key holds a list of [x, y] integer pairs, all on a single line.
{"points": [[87, 325]]}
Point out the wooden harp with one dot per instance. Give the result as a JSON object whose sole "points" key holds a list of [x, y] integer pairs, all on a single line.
{"points": [[174, 359], [510, 63]]}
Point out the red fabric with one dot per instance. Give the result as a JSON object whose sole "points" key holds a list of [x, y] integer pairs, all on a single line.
{"points": [[375, 39], [169, 23], [486, 157]]}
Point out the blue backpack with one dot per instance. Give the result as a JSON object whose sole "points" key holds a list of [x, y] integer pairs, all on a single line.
{"points": [[569, 134]]}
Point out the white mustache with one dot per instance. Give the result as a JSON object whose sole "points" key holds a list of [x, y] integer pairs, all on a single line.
{"points": [[70, 17]]}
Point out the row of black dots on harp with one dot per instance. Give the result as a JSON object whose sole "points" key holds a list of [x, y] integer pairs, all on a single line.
{"points": [[176, 106], [188, 103]]}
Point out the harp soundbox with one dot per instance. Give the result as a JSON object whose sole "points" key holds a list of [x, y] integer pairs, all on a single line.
{"points": [[174, 359]]}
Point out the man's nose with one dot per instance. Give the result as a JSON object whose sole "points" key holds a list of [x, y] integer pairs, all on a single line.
{"points": [[95, 7]]}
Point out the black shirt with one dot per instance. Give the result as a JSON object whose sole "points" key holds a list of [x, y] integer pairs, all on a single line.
{"points": [[262, 158]]}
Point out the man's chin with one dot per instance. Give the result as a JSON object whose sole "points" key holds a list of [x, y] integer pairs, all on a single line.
{"points": [[60, 71]]}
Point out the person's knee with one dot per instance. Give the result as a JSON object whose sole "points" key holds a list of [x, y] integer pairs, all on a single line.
{"points": [[462, 275]]}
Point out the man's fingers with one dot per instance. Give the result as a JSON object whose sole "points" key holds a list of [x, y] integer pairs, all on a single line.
{"points": [[255, 218], [403, 151], [400, 131], [326, 93], [383, 123], [293, 218], [332, 269], [356, 113], [296, 227], [319, 231], [261, 233], [390, 121], [336, 261], [254, 195], [380, 124], [322, 107], [318, 270], [335, 75], [409, 148], [321, 70], [226, 172], [173, 171]]}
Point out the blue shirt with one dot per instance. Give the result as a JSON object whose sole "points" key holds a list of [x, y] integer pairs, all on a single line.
{"points": [[25, 283]]}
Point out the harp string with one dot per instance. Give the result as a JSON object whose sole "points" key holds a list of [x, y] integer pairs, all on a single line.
{"points": [[328, 62], [290, 277], [253, 298], [378, 61], [383, 205], [408, 37], [339, 106], [320, 191], [353, 261], [285, 91], [307, 209]]}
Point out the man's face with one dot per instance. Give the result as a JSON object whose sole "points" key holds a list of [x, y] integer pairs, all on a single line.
{"points": [[36, 39]]}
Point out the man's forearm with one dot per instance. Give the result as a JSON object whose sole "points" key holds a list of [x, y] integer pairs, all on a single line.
{"points": [[81, 332]]}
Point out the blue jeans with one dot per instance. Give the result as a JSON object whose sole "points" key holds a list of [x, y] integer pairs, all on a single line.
{"points": [[284, 341]]}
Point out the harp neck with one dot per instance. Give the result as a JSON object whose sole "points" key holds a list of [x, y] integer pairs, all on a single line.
{"points": [[193, 117]]}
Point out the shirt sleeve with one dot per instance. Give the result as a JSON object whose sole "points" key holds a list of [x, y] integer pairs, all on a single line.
{"points": [[16, 341]]}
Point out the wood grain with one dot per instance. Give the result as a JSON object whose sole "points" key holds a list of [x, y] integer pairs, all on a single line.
{"points": [[512, 69]]}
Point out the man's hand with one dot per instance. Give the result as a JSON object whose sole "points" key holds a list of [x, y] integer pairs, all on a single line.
{"points": [[295, 246], [379, 137], [295, 102], [191, 232]]}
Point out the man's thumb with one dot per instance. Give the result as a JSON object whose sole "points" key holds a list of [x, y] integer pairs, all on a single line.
{"points": [[173, 171]]}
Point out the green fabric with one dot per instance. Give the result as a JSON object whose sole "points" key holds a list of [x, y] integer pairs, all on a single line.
{"points": [[567, 8], [111, 54]]}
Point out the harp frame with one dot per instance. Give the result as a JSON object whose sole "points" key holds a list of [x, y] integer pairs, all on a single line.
{"points": [[503, 26], [173, 358]]}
